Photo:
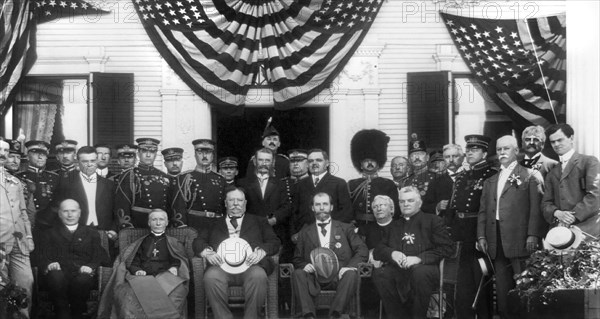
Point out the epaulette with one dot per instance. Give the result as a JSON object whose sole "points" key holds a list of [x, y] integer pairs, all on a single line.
{"points": [[282, 155]]}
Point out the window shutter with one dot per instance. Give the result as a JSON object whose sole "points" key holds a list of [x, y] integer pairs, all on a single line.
{"points": [[427, 96], [111, 97]]}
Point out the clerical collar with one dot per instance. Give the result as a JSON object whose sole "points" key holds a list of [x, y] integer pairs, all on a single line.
{"points": [[567, 156], [157, 234], [386, 223], [538, 154], [72, 228]]}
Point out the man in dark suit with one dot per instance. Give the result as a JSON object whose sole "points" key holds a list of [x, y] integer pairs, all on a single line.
{"points": [[571, 196], [350, 250], [411, 250], [533, 139], [267, 198], [438, 194], [93, 193], [510, 222], [320, 181], [263, 242], [69, 255]]}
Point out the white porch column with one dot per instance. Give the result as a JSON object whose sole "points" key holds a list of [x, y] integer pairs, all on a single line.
{"points": [[339, 152], [583, 67]]}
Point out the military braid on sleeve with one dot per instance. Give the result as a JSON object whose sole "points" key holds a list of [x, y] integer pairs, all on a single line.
{"points": [[120, 181], [185, 189]]}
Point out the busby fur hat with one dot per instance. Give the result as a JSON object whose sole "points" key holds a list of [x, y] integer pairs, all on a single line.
{"points": [[369, 144]]}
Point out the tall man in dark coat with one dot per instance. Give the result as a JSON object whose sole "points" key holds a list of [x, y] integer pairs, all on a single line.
{"points": [[368, 150], [69, 254], [267, 198], [438, 195], [533, 139], [263, 242], [510, 223], [141, 189], [320, 181], [411, 250], [199, 194], [350, 250], [272, 141]]}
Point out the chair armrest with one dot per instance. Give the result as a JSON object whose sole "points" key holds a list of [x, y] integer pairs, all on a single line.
{"points": [[198, 266], [286, 270], [365, 270]]}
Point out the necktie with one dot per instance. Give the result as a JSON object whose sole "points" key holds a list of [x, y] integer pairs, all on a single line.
{"points": [[233, 221], [316, 181], [323, 230]]}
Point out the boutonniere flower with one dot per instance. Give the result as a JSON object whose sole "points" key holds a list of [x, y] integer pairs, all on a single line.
{"points": [[338, 245], [514, 179], [337, 237]]}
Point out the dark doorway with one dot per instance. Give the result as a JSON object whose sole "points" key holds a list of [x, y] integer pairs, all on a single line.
{"points": [[240, 136]]}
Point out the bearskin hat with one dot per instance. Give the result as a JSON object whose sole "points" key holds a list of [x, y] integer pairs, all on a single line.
{"points": [[369, 144]]}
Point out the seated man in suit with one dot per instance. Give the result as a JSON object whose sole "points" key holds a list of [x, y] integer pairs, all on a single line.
{"points": [[411, 249], [263, 242], [151, 277], [69, 255], [347, 246]]}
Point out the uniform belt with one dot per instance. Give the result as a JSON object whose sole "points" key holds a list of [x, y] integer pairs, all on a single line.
{"points": [[141, 209], [366, 217], [204, 214], [467, 215]]}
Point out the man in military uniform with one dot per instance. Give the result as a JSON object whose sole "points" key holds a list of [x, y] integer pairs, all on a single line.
{"points": [[418, 158], [399, 169], [228, 168], [437, 165], [462, 218], [104, 153], [126, 155], [13, 160], [141, 189], [271, 140], [439, 192], [65, 154], [41, 185], [368, 150], [199, 195], [298, 171], [173, 158]]}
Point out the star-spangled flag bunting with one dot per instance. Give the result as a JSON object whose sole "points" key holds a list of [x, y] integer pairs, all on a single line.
{"points": [[19, 21], [218, 47], [520, 63]]}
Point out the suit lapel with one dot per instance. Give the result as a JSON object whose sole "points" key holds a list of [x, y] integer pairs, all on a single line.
{"points": [[269, 189], [81, 195], [494, 183], [335, 231], [313, 235], [570, 164]]}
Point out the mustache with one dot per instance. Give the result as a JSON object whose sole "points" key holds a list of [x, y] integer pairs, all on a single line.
{"points": [[271, 144], [370, 165], [263, 166], [502, 156]]}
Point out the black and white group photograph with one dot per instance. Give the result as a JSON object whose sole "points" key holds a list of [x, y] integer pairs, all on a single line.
{"points": [[282, 159]]}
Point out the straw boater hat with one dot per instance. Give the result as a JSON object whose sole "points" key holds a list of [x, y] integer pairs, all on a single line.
{"points": [[560, 239], [234, 252], [326, 264]]}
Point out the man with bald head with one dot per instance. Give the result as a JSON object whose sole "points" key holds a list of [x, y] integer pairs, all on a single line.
{"points": [[69, 255], [510, 222]]}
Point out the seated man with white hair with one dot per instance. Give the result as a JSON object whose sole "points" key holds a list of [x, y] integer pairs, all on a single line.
{"points": [[151, 277], [411, 251]]}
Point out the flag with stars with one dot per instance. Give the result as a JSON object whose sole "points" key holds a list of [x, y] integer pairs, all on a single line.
{"points": [[520, 63], [220, 47], [56, 10]]}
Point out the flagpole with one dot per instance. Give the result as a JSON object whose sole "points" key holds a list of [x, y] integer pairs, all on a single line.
{"points": [[541, 72]]}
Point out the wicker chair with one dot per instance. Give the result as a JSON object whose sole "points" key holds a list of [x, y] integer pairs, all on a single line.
{"points": [[236, 293], [43, 307], [448, 280], [325, 297], [185, 236]]}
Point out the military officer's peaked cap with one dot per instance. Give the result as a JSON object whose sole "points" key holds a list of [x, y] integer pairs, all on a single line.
{"points": [[147, 143], [298, 154], [66, 146], [370, 144], [204, 143], [14, 147], [416, 145], [270, 129], [478, 141], [436, 156], [228, 161], [172, 153], [37, 146], [126, 149]]}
